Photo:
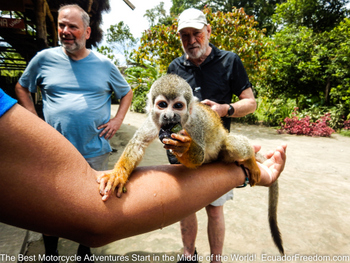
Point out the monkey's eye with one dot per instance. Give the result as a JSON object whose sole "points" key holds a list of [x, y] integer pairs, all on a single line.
{"points": [[162, 104], [178, 105]]}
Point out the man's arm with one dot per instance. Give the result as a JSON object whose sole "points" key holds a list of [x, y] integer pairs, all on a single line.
{"points": [[25, 98], [156, 197], [244, 106], [111, 127]]}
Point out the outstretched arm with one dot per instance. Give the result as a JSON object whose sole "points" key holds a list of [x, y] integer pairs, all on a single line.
{"points": [[46, 179]]}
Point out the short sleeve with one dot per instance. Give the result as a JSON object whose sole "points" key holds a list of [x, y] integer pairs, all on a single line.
{"points": [[6, 102], [118, 83]]}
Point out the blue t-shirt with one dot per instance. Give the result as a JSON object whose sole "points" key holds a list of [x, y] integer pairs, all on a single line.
{"points": [[6, 102], [76, 95]]}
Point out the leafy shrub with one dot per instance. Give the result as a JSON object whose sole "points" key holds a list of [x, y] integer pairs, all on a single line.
{"points": [[347, 125], [304, 126], [233, 31], [337, 114], [141, 79], [273, 112], [346, 128], [248, 119]]}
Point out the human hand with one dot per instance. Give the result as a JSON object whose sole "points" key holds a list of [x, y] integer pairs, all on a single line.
{"points": [[221, 109], [272, 168], [180, 145], [110, 128]]}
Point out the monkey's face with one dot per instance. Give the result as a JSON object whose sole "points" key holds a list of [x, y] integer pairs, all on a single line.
{"points": [[167, 112]]}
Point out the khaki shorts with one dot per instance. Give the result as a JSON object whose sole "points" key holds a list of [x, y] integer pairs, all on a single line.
{"points": [[99, 163], [222, 200]]}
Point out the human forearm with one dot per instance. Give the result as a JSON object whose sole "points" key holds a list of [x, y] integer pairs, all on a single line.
{"points": [[47, 180], [43, 174], [243, 107], [25, 98]]}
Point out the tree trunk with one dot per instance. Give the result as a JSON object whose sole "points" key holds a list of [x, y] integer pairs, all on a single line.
{"points": [[53, 24], [41, 32]]}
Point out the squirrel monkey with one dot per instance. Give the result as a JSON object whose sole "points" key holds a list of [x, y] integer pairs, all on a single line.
{"points": [[204, 138], [170, 102]]}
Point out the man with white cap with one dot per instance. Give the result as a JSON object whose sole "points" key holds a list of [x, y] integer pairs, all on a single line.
{"points": [[215, 76]]}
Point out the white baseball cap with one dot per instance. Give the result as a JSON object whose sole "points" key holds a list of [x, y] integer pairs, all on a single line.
{"points": [[191, 18]]}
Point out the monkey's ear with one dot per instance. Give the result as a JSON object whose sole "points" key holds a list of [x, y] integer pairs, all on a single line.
{"points": [[191, 106]]}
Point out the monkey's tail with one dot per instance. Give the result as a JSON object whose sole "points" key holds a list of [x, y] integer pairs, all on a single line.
{"points": [[273, 202]]}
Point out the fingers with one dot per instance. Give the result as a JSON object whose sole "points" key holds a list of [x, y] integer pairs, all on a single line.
{"points": [[256, 148], [280, 156], [206, 101], [109, 129], [180, 140], [108, 133], [183, 136], [103, 181], [180, 144], [274, 165], [269, 154], [104, 129]]}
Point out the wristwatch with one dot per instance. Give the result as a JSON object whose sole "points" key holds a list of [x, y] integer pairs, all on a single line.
{"points": [[230, 111]]}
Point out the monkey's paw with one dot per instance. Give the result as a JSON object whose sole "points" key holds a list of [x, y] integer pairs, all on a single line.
{"points": [[254, 171], [109, 181]]}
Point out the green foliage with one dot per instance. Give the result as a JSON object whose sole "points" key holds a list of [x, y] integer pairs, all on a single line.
{"points": [[237, 32], [120, 34], [311, 68], [337, 114], [262, 10], [108, 52], [273, 112], [305, 66], [248, 119], [119, 38], [157, 15], [159, 45], [319, 15], [345, 133], [338, 50], [292, 68], [180, 5], [234, 31], [141, 79]]}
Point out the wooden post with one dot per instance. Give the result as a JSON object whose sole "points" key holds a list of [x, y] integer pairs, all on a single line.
{"points": [[41, 32]]}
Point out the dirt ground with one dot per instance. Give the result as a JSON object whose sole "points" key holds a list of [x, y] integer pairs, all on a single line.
{"points": [[314, 206]]}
